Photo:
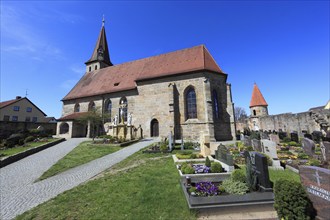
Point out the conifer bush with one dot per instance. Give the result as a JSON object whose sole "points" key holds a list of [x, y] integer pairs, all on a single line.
{"points": [[207, 162], [291, 201]]}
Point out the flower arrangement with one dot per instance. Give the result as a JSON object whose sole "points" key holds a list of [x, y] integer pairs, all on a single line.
{"points": [[200, 168], [204, 189]]}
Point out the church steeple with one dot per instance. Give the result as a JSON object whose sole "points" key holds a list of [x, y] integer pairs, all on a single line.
{"points": [[100, 57]]}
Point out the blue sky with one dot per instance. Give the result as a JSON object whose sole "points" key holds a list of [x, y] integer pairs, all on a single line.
{"points": [[283, 46]]}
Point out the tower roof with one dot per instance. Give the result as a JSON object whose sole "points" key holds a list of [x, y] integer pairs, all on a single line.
{"points": [[257, 98], [101, 43]]}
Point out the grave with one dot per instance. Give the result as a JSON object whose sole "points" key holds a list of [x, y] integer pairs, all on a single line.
{"points": [[256, 145], [325, 150], [269, 148], [309, 136], [264, 135], [205, 144], [170, 141], [281, 135], [259, 169], [317, 184], [294, 137], [223, 154], [242, 137], [308, 146], [274, 138], [247, 141]]}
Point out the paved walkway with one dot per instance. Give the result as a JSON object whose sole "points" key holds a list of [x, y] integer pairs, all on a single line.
{"points": [[19, 193]]}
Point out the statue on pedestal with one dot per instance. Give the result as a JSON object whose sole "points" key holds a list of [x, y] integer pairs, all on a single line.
{"points": [[129, 119], [115, 120]]}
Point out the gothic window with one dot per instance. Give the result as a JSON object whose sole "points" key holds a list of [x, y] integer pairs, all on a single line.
{"points": [[191, 106], [107, 109], [215, 104], [123, 109], [91, 106], [77, 107]]}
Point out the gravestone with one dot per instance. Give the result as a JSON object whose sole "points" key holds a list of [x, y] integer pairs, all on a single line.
{"points": [[264, 135], [223, 154], [170, 142], [256, 144], [259, 167], [281, 135], [309, 136], [274, 138], [269, 148], [294, 137], [204, 144], [317, 184], [325, 150], [242, 137], [247, 141], [308, 146]]}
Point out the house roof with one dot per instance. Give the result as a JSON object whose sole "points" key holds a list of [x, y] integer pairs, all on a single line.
{"points": [[257, 98], [124, 76], [73, 116], [9, 102]]}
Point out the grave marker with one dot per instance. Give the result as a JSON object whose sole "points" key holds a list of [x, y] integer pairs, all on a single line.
{"points": [[308, 146], [256, 145], [294, 137], [317, 184], [223, 154], [274, 138], [259, 167]]}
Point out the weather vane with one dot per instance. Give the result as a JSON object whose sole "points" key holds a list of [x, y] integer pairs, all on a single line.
{"points": [[103, 21]]}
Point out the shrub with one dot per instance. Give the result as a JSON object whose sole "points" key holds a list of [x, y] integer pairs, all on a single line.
{"points": [[193, 156], [234, 187], [29, 139], [249, 148], [207, 162], [188, 145], [238, 175], [13, 140], [293, 143], [163, 147], [269, 160], [314, 162], [291, 200], [216, 167], [302, 156], [21, 142], [286, 139], [187, 169]]}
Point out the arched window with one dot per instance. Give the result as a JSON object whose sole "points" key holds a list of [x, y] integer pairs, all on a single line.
{"points": [[191, 106], [215, 104], [77, 107], [123, 109], [107, 109], [64, 128], [91, 106]]}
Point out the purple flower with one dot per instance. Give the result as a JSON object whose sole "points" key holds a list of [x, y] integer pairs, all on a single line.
{"points": [[206, 189]]}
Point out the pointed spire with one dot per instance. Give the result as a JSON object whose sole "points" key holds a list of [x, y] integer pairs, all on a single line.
{"points": [[257, 98], [101, 52]]}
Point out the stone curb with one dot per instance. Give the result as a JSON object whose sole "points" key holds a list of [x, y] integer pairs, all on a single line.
{"points": [[11, 159]]}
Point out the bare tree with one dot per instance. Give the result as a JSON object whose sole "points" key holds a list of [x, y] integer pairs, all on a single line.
{"points": [[240, 114]]}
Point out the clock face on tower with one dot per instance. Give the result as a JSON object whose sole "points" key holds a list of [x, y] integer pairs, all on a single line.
{"points": [[100, 54]]}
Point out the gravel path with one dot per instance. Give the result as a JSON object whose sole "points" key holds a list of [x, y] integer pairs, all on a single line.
{"points": [[19, 193]]}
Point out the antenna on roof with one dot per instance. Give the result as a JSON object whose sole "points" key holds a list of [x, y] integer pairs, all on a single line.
{"points": [[26, 92], [103, 21]]}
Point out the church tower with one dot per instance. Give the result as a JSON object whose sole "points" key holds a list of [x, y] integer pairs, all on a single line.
{"points": [[100, 57], [258, 104]]}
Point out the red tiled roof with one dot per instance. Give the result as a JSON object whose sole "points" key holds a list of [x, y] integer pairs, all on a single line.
{"points": [[257, 98], [124, 76], [73, 116], [9, 102]]}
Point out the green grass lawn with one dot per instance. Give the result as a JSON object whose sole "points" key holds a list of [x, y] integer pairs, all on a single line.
{"points": [[84, 153], [143, 186], [16, 150]]}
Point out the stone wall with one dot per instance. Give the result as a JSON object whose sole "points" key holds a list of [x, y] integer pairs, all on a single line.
{"points": [[8, 127]]}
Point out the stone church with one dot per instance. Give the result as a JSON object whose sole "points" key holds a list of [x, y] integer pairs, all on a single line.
{"points": [[183, 92]]}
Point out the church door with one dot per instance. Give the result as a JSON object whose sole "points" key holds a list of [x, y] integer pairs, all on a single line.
{"points": [[154, 128]]}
